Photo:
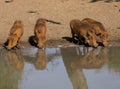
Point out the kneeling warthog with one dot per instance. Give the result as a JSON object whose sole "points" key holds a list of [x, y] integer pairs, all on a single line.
{"points": [[84, 32], [40, 32], [99, 30], [15, 34]]}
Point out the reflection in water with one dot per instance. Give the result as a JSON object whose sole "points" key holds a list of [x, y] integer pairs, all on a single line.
{"points": [[15, 60], [73, 68], [75, 74], [41, 60], [114, 63], [74, 63], [93, 59], [11, 65]]}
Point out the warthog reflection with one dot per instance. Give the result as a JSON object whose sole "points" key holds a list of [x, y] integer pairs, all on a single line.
{"points": [[11, 66], [41, 60], [15, 60], [75, 62], [93, 59]]}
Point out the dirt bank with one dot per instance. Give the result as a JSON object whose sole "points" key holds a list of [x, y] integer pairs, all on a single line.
{"points": [[59, 13]]}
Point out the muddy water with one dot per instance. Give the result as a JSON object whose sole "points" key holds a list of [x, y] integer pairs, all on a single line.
{"points": [[60, 68]]}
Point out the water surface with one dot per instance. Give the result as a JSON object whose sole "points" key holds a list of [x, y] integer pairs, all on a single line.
{"points": [[60, 68]]}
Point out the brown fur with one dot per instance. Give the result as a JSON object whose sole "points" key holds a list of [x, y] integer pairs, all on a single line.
{"points": [[41, 61], [83, 31], [15, 34], [40, 32], [93, 59], [99, 29]]}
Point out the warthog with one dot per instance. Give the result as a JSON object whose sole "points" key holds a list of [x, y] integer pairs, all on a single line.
{"points": [[99, 30], [83, 31], [40, 32], [15, 34]]}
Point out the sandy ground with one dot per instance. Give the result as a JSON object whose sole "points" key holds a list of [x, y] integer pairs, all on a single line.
{"points": [[58, 11]]}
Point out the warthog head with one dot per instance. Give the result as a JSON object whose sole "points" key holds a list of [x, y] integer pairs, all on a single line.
{"points": [[91, 39], [12, 41], [103, 38]]}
